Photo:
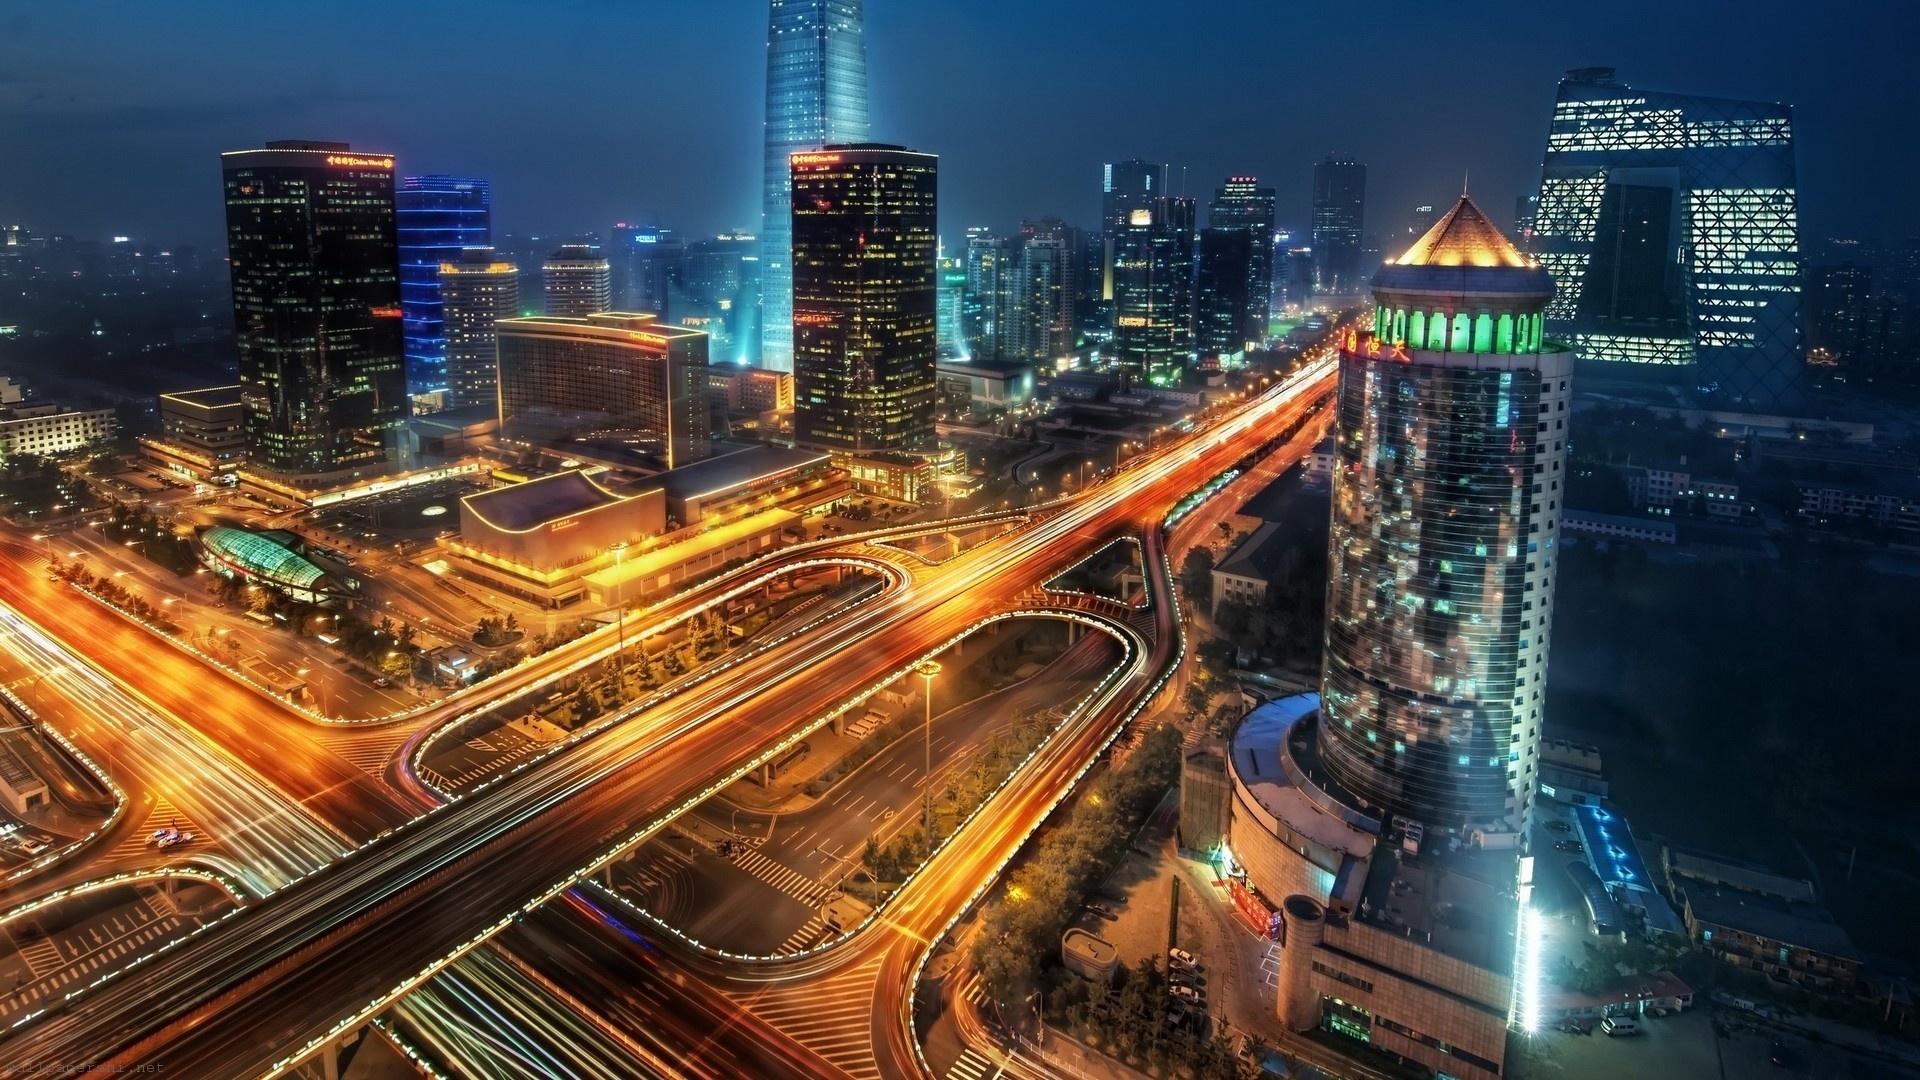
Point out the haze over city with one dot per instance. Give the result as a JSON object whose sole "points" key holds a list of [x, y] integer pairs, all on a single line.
{"points": [[864, 540]]}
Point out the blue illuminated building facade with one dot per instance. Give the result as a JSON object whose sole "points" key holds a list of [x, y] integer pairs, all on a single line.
{"points": [[436, 216], [816, 94], [1671, 223]]}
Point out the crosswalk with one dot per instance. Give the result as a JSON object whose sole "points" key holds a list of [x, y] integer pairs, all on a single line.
{"points": [[975, 991], [162, 815], [833, 1018], [369, 751], [811, 933], [792, 882], [972, 1066]]}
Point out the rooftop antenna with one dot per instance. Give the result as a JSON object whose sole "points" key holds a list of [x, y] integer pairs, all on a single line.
{"points": [[1463, 183]]}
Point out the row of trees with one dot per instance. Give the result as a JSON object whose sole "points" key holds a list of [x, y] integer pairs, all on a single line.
{"points": [[1128, 1020], [152, 537], [1021, 930], [113, 593]]}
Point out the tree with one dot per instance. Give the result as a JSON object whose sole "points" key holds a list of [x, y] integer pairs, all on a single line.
{"points": [[1196, 577], [396, 665]]}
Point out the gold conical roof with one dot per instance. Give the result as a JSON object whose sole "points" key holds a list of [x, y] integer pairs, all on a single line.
{"points": [[1463, 238]]}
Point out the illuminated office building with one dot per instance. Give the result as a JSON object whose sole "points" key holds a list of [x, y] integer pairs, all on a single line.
{"points": [[1241, 203], [435, 218], [316, 306], [986, 306], [864, 252], [1125, 186], [476, 290], [1449, 469], [953, 292], [1040, 326], [615, 377], [1671, 224], [1339, 225], [816, 94], [1153, 291], [577, 281]]}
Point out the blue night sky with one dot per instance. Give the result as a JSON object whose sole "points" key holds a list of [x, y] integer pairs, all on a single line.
{"points": [[112, 113]]}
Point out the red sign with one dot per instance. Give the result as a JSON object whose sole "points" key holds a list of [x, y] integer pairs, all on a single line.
{"points": [[1254, 909]]}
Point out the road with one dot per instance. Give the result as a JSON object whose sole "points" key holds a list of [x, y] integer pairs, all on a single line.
{"points": [[337, 945]]}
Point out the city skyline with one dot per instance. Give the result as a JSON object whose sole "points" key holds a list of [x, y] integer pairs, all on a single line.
{"points": [[73, 117]]}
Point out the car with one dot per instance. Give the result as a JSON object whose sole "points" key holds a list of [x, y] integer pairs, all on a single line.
{"points": [[1184, 993], [1183, 977], [1182, 956], [383, 682], [161, 836], [1559, 826], [1619, 1025], [1569, 846], [1103, 911], [177, 839]]}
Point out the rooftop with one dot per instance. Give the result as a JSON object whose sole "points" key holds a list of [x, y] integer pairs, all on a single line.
{"points": [[208, 396], [1458, 901], [1464, 237], [1804, 925], [524, 506], [266, 555], [731, 470], [1260, 762], [610, 325]]}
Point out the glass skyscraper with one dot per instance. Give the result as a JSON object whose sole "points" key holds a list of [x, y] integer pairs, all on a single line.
{"points": [[1671, 224], [1241, 203], [436, 216], [1153, 290], [316, 306], [476, 291], [816, 94], [1450, 464], [864, 279], [1339, 224]]}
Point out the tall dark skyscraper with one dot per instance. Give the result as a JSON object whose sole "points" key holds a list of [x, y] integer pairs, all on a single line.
{"points": [[1045, 287], [1241, 203], [436, 216], [1450, 464], [1339, 224], [864, 281], [1672, 225], [1125, 186], [1153, 291], [816, 94], [1223, 292], [316, 306]]}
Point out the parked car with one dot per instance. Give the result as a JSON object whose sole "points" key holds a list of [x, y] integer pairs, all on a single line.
{"points": [[1103, 911], [1571, 847], [383, 682], [1559, 826], [1184, 993], [1182, 956], [1619, 1025]]}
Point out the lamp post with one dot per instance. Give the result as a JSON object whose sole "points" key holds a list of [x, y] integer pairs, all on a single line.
{"points": [[927, 669], [620, 619]]}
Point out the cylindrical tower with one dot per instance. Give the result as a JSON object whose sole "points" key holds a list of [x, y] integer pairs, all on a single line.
{"points": [[1449, 473], [1306, 920]]}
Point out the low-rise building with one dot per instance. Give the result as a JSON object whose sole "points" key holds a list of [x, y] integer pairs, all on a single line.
{"points": [[1205, 797], [1243, 575], [48, 430], [1620, 527], [200, 434], [21, 789], [1750, 917], [740, 479], [986, 383], [539, 539]]}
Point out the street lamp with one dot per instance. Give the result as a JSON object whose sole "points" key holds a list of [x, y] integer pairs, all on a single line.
{"points": [[620, 619], [927, 669]]}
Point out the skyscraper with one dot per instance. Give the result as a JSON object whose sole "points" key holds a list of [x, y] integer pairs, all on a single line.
{"points": [[1223, 288], [864, 249], [1153, 290], [1124, 187], [476, 290], [987, 304], [1241, 203], [645, 265], [1450, 453], [953, 290], [816, 94], [1671, 223], [1041, 325], [436, 217], [316, 306], [617, 374], [1339, 224], [577, 281]]}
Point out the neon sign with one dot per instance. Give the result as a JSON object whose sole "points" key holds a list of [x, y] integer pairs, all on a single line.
{"points": [[816, 159], [356, 161]]}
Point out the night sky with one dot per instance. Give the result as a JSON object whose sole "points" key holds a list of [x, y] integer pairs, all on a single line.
{"points": [[112, 114]]}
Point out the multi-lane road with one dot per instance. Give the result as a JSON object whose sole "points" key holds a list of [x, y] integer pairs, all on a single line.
{"points": [[334, 947]]}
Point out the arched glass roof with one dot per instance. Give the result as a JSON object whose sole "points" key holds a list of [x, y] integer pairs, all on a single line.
{"points": [[262, 557]]}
